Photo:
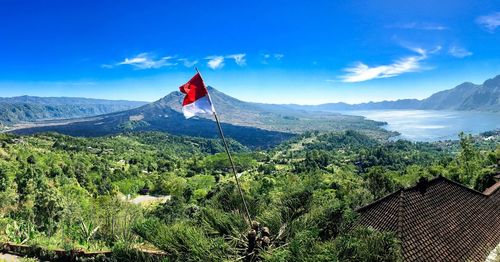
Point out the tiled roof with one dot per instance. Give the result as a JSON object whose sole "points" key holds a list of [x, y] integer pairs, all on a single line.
{"points": [[439, 220]]}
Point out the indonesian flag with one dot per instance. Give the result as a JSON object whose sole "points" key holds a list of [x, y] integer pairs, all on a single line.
{"points": [[197, 100]]}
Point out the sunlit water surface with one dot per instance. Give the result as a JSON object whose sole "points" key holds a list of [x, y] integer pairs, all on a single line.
{"points": [[432, 125]]}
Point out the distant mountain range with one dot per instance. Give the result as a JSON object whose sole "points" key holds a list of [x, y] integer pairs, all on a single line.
{"points": [[252, 124], [31, 108], [466, 96]]}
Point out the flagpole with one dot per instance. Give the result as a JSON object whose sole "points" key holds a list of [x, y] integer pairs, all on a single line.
{"points": [[226, 147]]}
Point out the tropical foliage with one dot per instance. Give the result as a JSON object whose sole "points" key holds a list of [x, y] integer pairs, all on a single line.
{"points": [[64, 192]]}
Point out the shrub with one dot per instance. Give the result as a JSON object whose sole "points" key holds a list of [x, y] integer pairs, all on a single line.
{"points": [[221, 223], [183, 241], [364, 244]]}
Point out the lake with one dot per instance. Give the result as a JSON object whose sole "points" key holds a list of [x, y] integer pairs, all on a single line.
{"points": [[432, 125]]}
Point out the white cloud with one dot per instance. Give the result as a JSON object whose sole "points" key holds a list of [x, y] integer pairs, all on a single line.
{"points": [[275, 56], [188, 63], [489, 22], [148, 61], [361, 72], [420, 26], [459, 52], [239, 59], [144, 61], [215, 62]]}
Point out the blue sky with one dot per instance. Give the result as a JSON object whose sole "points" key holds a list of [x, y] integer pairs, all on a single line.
{"points": [[305, 52]]}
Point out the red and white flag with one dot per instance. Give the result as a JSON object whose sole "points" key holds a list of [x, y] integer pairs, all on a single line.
{"points": [[197, 100]]}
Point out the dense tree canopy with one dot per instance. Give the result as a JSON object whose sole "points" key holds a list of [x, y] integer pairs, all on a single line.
{"points": [[64, 192]]}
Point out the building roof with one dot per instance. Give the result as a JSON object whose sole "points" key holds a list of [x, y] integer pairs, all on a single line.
{"points": [[439, 220]]}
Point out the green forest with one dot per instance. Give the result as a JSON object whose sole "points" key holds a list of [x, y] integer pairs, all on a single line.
{"points": [[63, 192]]}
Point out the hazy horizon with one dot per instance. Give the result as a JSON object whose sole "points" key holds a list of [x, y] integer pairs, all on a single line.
{"points": [[291, 103]]}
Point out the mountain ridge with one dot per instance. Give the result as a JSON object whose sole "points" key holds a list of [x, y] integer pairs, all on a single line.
{"points": [[64, 100], [23, 109], [466, 96]]}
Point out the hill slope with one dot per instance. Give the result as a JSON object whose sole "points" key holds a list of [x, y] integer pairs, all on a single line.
{"points": [[31, 108]]}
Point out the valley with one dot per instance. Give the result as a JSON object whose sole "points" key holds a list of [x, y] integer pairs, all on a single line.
{"points": [[249, 123], [255, 124]]}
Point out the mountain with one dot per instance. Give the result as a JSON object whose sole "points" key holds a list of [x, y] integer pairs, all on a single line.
{"points": [[272, 117], [22, 109], [54, 101], [466, 96], [398, 104], [449, 99], [252, 124]]}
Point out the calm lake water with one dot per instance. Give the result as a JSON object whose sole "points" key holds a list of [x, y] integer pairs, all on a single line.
{"points": [[430, 125]]}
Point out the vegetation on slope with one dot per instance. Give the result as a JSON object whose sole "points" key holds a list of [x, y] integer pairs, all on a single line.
{"points": [[66, 192]]}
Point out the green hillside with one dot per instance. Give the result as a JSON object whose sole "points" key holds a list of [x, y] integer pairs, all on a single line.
{"points": [[71, 193]]}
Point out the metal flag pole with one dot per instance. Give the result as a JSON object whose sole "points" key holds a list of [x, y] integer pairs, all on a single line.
{"points": [[226, 147]]}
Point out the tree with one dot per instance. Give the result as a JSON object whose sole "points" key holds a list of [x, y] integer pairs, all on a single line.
{"points": [[29, 181], [378, 183], [48, 210], [4, 180], [469, 161]]}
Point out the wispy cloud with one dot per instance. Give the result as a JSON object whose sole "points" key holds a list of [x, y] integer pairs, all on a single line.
{"points": [[239, 59], [148, 61], [267, 57], [459, 52], [144, 61], [420, 26], [278, 56], [215, 62], [361, 72], [187, 63], [489, 22]]}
